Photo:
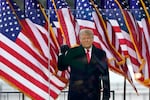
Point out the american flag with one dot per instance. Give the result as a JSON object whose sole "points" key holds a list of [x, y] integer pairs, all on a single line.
{"points": [[66, 21], [115, 15], [21, 63], [35, 19], [53, 49], [102, 26], [40, 33], [143, 36], [55, 21]]}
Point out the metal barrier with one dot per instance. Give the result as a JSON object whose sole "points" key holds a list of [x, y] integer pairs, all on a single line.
{"points": [[11, 96]]}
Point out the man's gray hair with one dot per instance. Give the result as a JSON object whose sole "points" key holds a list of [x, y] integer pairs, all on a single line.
{"points": [[86, 31]]}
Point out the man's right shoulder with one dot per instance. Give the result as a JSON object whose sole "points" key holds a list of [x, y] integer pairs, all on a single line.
{"points": [[75, 48], [74, 51]]}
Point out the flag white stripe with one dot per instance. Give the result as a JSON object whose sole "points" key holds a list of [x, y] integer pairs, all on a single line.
{"points": [[86, 23], [147, 36], [56, 24], [114, 23], [109, 28], [119, 35], [124, 47], [145, 68]]}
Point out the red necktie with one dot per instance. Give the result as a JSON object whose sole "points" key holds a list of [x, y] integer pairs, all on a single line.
{"points": [[88, 55]]}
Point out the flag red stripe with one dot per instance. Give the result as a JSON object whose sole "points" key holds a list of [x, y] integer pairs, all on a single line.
{"points": [[130, 44], [53, 94], [135, 61], [116, 29]]}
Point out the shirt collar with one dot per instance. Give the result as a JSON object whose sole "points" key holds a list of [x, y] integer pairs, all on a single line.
{"points": [[90, 49]]}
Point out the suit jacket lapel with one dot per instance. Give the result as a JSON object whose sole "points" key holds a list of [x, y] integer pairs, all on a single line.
{"points": [[92, 53]]}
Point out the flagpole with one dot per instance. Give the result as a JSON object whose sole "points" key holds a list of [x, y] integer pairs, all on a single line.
{"points": [[49, 79], [124, 90]]}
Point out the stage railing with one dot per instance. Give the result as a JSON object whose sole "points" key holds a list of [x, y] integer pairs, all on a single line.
{"points": [[21, 96]]}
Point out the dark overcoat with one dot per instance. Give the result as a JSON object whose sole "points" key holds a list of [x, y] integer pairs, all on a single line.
{"points": [[85, 78]]}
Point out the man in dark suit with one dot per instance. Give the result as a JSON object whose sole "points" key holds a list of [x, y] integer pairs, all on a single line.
{"points": [[86, 73]]}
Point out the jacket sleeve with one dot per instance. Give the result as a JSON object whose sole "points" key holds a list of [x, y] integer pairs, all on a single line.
{"points": [[106, 85], [106, 79], [61, 64], [64, 60]]}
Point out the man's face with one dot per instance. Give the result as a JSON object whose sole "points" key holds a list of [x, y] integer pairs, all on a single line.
{"points": [[86, 40]]}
